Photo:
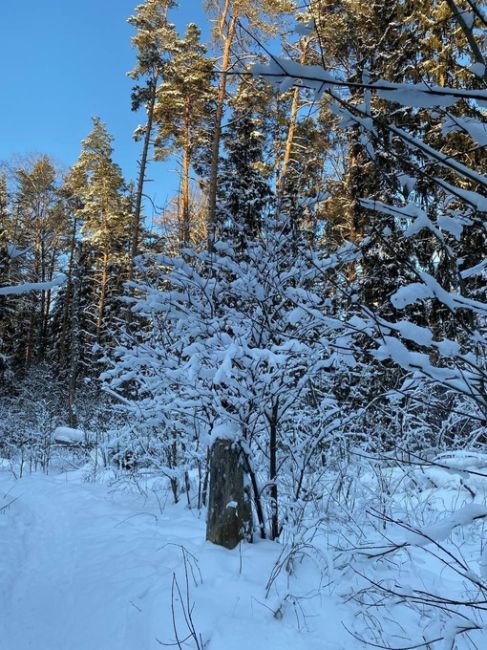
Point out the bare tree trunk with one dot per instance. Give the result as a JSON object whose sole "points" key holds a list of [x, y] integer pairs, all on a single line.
{"points": [[141, 178], [184, 211], [68, 297], [74, 352], [103, 296], [229, 509], [273, 422], [217, 132], [34, 301], [293, 119], [4, 273], [47, 310], [40, 352]]}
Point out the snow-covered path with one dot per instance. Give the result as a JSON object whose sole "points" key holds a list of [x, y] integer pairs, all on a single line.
{"points": [[78, 564], [83, 567]]}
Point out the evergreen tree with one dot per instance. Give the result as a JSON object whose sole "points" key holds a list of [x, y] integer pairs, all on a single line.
{"points": [[244, 193], [97, 184], [367, 42], [182, 113], [36, 228], [155, 41], [4, 270], [261, 15]]}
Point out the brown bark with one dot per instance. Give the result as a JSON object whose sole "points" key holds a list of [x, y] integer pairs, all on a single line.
{"points": [[220, 105], [184, 207], [67, 300], [293, 120], [74, 351], [141, 178]]}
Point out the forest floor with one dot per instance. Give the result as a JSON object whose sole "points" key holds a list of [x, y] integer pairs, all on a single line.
{"points": [[87, 566], [99, 565]]}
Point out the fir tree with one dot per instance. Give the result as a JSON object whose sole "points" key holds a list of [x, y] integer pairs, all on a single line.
{"points": [[244, 193]]}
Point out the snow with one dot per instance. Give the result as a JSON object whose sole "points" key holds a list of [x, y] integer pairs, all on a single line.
{"points": [[281, 72], [478, 269], [451, 225], [87, 567], [411, 212], [430, 288], [95, 565], [410, 294], [478, 69], [443, 529], [18, 289], [304, 28], [13, 252], [68, 435], [474, 128], [419, 95], [478, 201]]}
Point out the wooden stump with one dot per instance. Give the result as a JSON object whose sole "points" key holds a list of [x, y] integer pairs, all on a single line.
{"points": [[229, 509]]}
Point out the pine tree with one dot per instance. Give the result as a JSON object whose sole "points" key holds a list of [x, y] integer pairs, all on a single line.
{"points": [[368, 41], [155, 41], [426, 221], [182, 113], [261, 15]]}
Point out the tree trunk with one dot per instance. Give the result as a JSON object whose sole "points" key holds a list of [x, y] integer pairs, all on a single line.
{"points": [[273, 421], [229, 509], [141, 179], [293, 119], [222, 88], [74, 350], [103, 296], [184, 211], [65, 328]]}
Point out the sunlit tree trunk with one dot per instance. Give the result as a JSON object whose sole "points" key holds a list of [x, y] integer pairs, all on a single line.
{"points": [[231, 18]]}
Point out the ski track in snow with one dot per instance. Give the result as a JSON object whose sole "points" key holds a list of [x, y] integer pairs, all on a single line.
{"points": [[83, 567]]}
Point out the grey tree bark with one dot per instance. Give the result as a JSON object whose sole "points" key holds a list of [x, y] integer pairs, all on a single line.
{"points": [[229, 508]]}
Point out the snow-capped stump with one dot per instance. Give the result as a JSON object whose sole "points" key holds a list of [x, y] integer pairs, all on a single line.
{"points": [[68, 436], [229, 512]]}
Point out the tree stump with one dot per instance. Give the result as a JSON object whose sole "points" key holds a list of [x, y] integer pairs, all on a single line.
{"points": [[229, 509]]}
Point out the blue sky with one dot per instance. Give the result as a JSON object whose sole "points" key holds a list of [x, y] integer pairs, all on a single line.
{"points": [[63, 61]]}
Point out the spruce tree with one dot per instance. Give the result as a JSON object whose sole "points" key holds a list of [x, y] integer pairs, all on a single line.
{"points": [[97, 184], [244, 193], [4, 270], [38, 231]]}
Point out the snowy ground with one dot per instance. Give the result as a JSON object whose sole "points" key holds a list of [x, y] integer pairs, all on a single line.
{"points": [[87, 567], [95, 566]]}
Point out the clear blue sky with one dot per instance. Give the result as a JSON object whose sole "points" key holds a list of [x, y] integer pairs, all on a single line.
{"points": [[63, 61]]}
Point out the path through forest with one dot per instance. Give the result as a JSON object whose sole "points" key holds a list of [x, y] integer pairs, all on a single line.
{"points": [[84, 566]]}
